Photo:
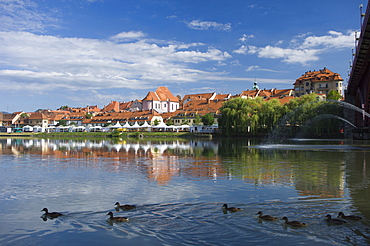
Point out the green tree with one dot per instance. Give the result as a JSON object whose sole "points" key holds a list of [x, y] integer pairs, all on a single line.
{"points": [[333, 95], [197, 120], [24, 115], [185, 121], [88, 115], [63, 107], [269, 114], [208, 119], [170, 122], [238, 116], [62, 123], [156, 122]]}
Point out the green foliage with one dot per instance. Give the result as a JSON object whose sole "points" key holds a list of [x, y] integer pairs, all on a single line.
{"points": [[208, 119], [333, 95], [197, 120], [170, 122], [238, 115], [116, 133], [24, 115], [62, 123], [185, 121], [63, 107], [88, 116], [156, 122], [253, 116]]}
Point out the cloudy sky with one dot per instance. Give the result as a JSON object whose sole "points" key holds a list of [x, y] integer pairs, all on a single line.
{"points": [[92, 52]]}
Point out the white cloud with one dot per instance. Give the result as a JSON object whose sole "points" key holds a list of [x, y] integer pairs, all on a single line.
{"points": [[207, 25], [303, 49], [242, 50], [128, 36], [25, 15], [245, 37], [288, 55], [333, 40], [258, 68], [77, 63]]}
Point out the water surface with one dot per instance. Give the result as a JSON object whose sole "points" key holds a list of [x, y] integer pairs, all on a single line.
{"points": [[179, 188]]}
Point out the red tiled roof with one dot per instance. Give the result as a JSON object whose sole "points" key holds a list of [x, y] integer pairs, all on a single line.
{"points": [[316, 76], [112, 107], [161, 94]]}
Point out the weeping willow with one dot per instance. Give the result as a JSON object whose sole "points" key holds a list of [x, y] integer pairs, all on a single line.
{"points": [[239, 116]]}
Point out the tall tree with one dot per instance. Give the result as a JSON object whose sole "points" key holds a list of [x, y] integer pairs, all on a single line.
{"points": [[208, 119]]}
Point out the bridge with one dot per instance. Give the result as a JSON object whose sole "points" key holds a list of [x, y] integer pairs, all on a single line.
{"points": [[358, 89]]}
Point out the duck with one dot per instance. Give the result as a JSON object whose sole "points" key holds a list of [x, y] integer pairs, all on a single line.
{"points": [[335, 221], [117, 219], [52, 214], [125, 207], [231, 209], [349, 217], [266, 217], [294, 222]]}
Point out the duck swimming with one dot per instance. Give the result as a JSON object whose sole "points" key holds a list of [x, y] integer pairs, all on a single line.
{"points": [[51, 215], [294, 222], [231, 209], [335, 221], [266, 217], [124, 207], [349, 217], [117, 219]]}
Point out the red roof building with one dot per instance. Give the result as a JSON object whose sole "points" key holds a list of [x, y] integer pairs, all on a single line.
{"points": [[319, 82]]}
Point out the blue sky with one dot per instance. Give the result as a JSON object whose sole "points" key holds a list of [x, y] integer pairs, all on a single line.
{"points": [[92, 52]]}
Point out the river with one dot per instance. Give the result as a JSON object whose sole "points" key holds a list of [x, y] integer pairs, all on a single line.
{"points": [[179, 187]]}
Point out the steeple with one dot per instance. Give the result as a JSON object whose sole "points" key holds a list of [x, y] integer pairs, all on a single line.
{"points": [[255, 86]]}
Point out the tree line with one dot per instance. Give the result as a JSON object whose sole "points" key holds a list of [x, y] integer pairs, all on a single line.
{"points": [[306, 114]]}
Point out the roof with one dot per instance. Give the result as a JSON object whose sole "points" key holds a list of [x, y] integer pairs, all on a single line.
{"points": [[200, 96], [112, 107], [322, 75], [161, 94], [112, 117], [37, 116], [201, 107]]}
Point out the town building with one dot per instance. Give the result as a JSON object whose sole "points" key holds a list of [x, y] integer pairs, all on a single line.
{"points": [[110, 118], [319, 82], [161, 101]]}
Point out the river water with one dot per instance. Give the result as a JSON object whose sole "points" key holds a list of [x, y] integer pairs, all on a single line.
{"points": [[179, 188]]}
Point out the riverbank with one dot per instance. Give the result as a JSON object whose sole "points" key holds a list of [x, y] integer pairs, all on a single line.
{"points": [[106, 135]]}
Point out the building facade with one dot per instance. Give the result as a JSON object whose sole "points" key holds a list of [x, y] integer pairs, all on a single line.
{"points": [[319, 82], [161, 101]]}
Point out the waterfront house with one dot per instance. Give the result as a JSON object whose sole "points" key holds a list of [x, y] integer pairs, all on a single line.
{"points": [[188, 112], [198, 97], [34, 119], [111, 118], [161, 101], [75, 118], [113, 106], [11, 120], [319, 82], [134, 105]]}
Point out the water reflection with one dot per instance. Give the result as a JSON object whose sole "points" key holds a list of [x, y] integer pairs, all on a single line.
{"points": [[313, 170], [179, 188]]}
